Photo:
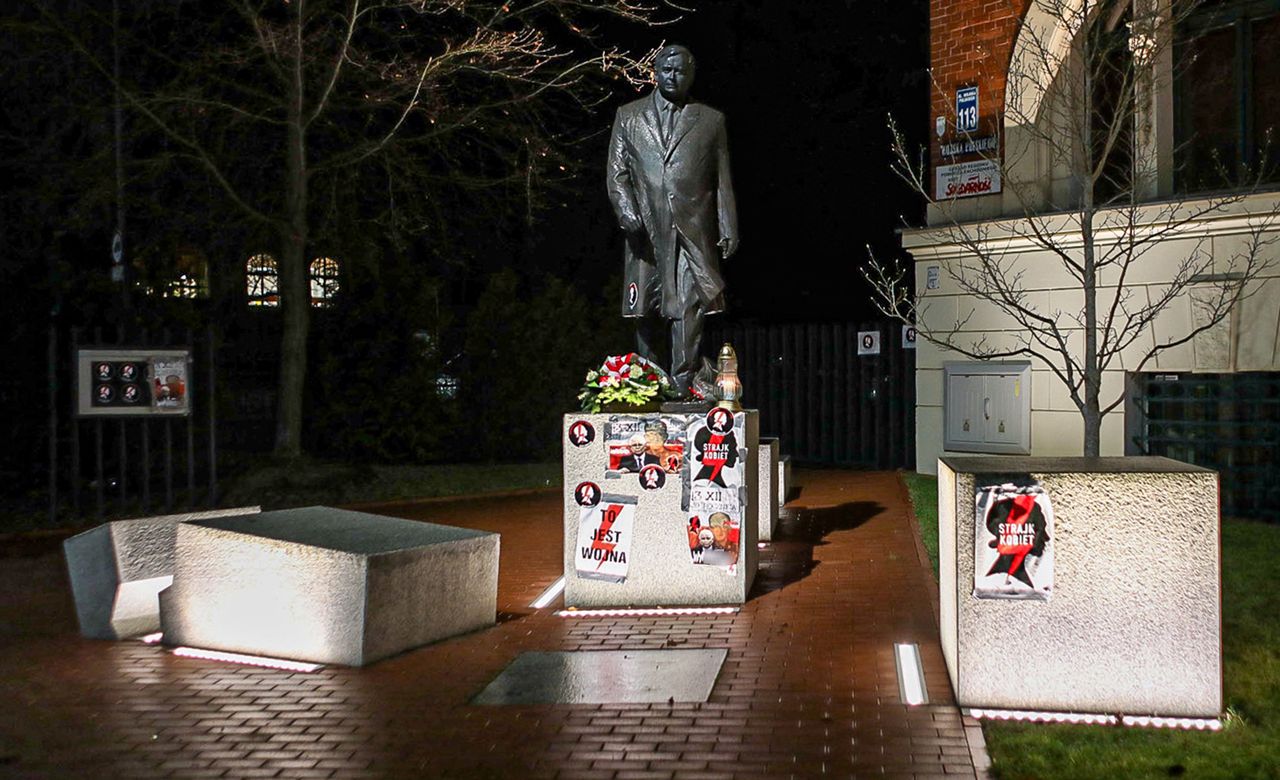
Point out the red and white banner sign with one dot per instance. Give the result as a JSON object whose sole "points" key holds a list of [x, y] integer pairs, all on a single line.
{"points": [[966, 179], [1013, 542], [604, 538]]}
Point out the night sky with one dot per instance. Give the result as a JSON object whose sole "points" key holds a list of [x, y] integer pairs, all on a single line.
{"points": [[807, 88]]}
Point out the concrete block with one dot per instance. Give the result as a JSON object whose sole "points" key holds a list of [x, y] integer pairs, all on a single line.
{"points": [[784, 479], [1134, 622], [767, 507], [327, 585], [659, 569], [118, 568]]}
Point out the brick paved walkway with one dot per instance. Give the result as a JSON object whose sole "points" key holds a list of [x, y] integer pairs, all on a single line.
{"points": [[808, 688]]}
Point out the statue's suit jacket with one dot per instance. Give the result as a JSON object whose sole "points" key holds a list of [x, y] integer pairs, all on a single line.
{"points": [[682, 193]]}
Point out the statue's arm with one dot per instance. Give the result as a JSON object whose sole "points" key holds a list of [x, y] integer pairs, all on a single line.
{"points": [[621, 191], [726, 204]]}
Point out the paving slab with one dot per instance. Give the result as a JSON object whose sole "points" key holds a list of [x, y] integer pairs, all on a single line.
{"points": [[606, 677]]}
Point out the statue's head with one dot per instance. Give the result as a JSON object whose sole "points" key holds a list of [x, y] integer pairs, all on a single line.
{"points": [[673, 72]]}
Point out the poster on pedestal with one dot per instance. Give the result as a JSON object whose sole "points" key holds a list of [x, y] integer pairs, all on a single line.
{"points": [[716, 500], [604, 537], [1013, 547], [636, 441]]}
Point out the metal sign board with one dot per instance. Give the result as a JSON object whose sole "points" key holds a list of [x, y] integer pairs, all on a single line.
{"points": [[967, 109], [133, 382], [908, 337], [868, 342]]}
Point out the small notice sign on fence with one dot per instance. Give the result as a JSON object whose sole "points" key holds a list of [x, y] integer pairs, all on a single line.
{"points": [[868, 342], [133, 382]]}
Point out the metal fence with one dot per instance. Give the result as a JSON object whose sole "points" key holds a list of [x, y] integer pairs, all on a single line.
{"points": [[1227, 422], [105, 468], [825, 402]]}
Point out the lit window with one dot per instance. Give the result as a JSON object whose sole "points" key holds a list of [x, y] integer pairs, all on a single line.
{"points": [[262, 281], [446, 386], [324, 280], [190, 279]]}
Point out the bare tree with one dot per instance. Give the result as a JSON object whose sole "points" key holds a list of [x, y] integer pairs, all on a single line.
{"points": [[298, 111], [1104, 60]]}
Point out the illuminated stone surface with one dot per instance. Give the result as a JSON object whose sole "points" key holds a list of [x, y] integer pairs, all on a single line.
{"points": [[327, 585], [784, 478], [767, 506], [660, 572], [1134, 623], [606, 677], [117, 569]]}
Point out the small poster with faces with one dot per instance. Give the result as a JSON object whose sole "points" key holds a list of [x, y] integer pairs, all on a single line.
{"points": [[635, 442]]}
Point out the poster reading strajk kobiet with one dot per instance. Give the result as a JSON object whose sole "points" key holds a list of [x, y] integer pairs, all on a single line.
{"points": [[717, 495], [604, 538], [1013, 541]]}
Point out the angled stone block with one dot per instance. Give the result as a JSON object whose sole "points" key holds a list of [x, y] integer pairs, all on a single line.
{"points": [[118, 568], [327, 585]]}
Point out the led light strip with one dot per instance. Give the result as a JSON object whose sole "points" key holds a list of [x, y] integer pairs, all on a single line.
{"points": [[1045, 717], [248, 660], [911, 688], [1146, 721], [644, 612], [151, 639], [549, 595], [1197, 724]]}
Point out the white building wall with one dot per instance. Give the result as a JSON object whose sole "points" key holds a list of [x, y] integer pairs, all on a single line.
{"points": [[1247, 341]]}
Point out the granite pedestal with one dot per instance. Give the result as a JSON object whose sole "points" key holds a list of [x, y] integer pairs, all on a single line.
{"points": [[1134, 621], [660, 572], [767, 507], [118, 568], [327, 585], [784, 478]]}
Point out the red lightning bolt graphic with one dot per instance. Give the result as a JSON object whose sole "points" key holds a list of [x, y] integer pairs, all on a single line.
{"points": [[716, 438], [607, 518], [1022, 506]]}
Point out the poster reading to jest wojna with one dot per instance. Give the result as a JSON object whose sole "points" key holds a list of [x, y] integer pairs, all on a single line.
{"points": [[716, 469], [604, 537], [1013, 541]]}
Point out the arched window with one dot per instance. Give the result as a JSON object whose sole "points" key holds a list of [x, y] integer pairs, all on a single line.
{"points": [[1227, 113], [262, 281], [324, 281], [191, 277]]}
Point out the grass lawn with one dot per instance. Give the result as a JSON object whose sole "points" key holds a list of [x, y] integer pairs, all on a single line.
{"points": [[924, 501], [1248, 746], [263, 481], [309, 482]]}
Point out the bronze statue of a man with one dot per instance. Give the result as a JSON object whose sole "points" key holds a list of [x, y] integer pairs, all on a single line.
{"points": [[669, 184]]}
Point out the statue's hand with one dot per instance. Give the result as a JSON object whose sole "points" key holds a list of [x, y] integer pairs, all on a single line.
{"points": [[632, 224], [728, 245]]}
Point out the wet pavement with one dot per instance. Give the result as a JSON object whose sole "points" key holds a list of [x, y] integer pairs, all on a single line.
{"points": [[808, 687]]}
